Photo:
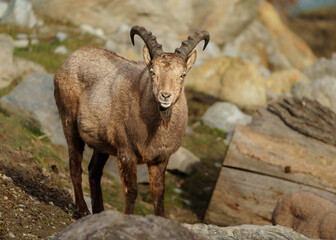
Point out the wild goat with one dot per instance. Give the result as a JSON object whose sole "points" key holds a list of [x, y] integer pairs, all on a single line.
{"points": [[136, 111], [308, 214]]}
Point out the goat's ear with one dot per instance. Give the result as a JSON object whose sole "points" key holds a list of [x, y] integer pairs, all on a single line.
{"points": [[146, 55], [191, 60]]}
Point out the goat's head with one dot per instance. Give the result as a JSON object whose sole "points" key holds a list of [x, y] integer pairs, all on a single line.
{"points": [[168, 70]]}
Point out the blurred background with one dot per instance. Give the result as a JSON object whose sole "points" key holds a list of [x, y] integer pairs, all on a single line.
{"points": [[259, 51]]}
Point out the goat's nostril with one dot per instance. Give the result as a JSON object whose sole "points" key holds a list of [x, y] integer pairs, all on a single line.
{"points": [[165, 95]]}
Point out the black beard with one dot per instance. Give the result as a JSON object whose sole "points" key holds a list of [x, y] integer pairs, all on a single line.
{"points": [[165, 114]]}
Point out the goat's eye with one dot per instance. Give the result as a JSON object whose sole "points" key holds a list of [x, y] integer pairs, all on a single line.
{"points": [[151, 72], [182, 76]]}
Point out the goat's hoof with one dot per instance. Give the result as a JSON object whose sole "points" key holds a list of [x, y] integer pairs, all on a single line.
{"points": [[80, 213]]}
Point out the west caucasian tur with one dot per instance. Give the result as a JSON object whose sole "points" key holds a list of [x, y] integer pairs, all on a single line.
{"points": [[136, 111]]}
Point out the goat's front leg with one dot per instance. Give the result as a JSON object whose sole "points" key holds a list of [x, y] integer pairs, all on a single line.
{"points": [[127, 166], [157, 185], [96, 167]]}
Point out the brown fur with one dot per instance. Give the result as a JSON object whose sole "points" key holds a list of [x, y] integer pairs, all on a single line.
{"points": [[112, 104], [308, 214]]}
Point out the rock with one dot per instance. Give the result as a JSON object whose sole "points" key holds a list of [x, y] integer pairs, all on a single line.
{"points": [[34, 41], [290, 146], [260, 43], [225, 116], [244, 232], [32, 101], [111, 167], [183, 161], [21, 36], [7, 71], [23, 67], [61, 36], [7, 49], [219, 17], [114, 225], [11, 68], [85, 28], [322, 68], [308, 214], [168, 19], [3, 8], [230, 79], [322, 90], [20, 13], [61, 50], [281, 82], [21, 43]]}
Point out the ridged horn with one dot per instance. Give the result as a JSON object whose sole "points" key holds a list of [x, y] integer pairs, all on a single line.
{"points": [[189, 45], [153, 46]]}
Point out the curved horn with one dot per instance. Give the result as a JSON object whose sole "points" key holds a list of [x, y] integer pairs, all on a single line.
{"points": [[153, 46], [189, 45]]}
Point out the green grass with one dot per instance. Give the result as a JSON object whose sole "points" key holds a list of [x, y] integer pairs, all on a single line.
{"points": [[43, 52], [41, 161]]}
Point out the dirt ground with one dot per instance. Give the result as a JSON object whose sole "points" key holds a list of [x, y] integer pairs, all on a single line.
{"points": [[33, 206]]}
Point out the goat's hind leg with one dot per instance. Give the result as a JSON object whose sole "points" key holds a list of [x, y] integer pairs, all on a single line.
{"points": [[96, 167], [76, 147]]}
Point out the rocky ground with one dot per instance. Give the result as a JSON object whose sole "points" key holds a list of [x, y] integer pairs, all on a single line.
{"points": [[34, 192]]}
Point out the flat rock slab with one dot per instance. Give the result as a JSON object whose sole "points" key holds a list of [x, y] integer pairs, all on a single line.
{"points": [[266, 161]]}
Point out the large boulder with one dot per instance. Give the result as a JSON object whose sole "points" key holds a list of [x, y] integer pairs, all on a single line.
{"points": [[323, 90], [115, 225], [323, 67], [290, 146], [230, 79], [281, 82], [183, 161], [32, 101], [225, 116], [224, 19], [261, 42]]}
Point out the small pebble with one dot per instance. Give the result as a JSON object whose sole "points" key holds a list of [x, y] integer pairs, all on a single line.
{"points": [[187, 202], [11, 235], [177, 190], [218, 165]]}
